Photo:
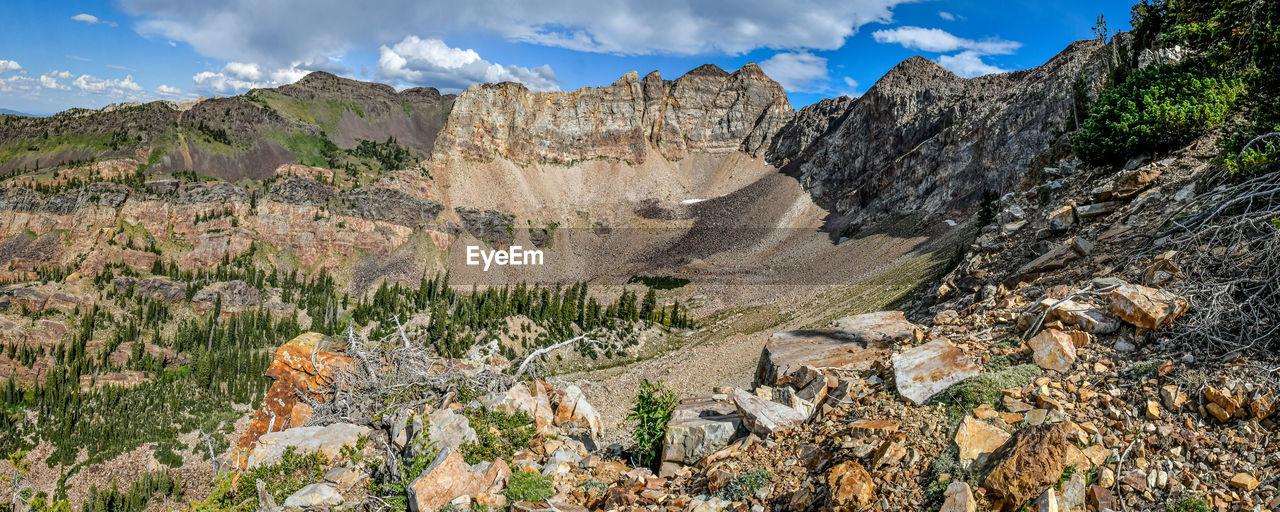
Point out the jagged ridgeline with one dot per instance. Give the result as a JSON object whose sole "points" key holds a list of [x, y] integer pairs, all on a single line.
{"points": [[321, 120]]}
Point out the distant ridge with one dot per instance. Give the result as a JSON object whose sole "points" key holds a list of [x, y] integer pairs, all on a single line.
{"points": [[17, 113]]}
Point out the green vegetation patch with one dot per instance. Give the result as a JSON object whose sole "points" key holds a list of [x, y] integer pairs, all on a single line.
{"points": [[1155, 109], [314, 149], [515, 431], [652, 413], [967, 394], [745, 485], [529, 486], [659, 282]]}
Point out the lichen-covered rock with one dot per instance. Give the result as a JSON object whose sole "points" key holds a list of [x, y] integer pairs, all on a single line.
{"points": [[852, 489], [302, 367]]}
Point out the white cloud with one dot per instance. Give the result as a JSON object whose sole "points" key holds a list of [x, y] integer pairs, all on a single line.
{"points": [[77, 57], [432, 62], [967, 63], [237, 77], [797, 71], [113, 86], [173, 93], [92, 20], [946, 16], [9, 65], [51, 79], [851, 88], [19, 82], [279, 33], [117, 66]]}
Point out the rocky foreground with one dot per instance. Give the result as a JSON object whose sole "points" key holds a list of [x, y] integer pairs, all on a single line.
{"points": [[1044, 380]]}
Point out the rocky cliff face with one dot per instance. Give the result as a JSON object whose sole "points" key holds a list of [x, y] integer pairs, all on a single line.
{"points": [[706, 110], [925, 140]]}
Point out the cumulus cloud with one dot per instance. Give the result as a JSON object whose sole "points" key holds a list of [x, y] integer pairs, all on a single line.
{"points": [[797, 71], [51, 79], [281, 32], [432, 62], [113, 86], [946, 16], [9, 65], [237, 77], [968, 62], [92, 20]]}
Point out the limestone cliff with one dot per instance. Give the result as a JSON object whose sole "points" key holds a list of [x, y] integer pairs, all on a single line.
{"points": [[706, 110]]}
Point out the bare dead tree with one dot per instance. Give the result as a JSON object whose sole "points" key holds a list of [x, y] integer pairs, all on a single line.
{"points": [[534, 356], [1227, 245]]}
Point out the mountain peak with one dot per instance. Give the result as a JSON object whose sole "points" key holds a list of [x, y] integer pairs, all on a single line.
{"points": [[707, 70]]}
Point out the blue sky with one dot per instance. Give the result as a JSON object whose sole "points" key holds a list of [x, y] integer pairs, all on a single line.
{"points": [[88, 54]]}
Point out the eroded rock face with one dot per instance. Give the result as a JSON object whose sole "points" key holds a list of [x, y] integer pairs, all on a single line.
{"points": [[303, 366], [706, 110], [925, 140]]}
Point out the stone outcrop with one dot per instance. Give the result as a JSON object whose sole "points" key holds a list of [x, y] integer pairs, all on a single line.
{"points": [[302, 367], [705, 111], [788, 352]]}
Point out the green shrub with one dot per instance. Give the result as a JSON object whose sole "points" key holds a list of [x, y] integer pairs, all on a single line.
{"points": [[395, 491], [1190, 503], [1154, 109], [967, 394], [744, 485], [284, 477], [652, 412], [528, 486], [1145, 368], [515, 431]]}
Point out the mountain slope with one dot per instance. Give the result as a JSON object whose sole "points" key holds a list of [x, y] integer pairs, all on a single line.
{"points": [[925, 140]]}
